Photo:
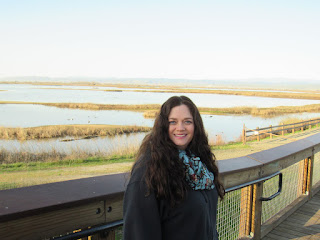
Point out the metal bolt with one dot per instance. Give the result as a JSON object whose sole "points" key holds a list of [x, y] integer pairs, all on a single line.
{"points": [[98, 211], [109, 209]]}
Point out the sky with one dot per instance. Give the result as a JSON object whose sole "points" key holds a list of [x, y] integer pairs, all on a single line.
{"points": [[226, 39]]}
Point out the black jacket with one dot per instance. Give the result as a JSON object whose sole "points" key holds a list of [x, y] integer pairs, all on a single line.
{"points": [[147, 218]]}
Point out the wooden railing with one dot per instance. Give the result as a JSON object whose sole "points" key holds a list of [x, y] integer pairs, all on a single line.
{"points": [[278, 130], [50, 211]]}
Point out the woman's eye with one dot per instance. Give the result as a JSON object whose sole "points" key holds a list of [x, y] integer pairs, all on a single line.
{"points": [[172, 122], [188, 122]]}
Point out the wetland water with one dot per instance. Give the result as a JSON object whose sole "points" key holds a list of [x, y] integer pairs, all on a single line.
{"points": [[27, 115]]}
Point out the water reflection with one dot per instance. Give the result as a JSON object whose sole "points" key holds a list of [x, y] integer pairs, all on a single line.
{"points": [[28, 115]]}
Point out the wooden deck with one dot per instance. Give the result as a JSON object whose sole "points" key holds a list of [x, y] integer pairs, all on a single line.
{"points": [[302, 224]]}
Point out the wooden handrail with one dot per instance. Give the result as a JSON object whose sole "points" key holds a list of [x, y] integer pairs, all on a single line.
{"points": [[48, 210], [313, 121], [271, 130]]}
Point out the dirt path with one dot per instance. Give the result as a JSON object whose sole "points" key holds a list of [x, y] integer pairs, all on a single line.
{"points": [[263, 145]]}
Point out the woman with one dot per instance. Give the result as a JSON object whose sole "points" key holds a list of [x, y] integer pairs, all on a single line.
{"points": [[174, 185]]}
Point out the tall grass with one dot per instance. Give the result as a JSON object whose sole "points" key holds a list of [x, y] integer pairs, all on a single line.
{"points": [[217, 140], [291, 120], [150, 114], [75, 155], [92, 106], [55, 131], [264, 112]]}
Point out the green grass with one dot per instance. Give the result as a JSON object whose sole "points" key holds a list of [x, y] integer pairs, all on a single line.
{"points": [[34, 166], [233, 145]]}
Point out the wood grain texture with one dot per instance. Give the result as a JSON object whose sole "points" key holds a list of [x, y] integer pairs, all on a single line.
{"points": [[302, 224]]}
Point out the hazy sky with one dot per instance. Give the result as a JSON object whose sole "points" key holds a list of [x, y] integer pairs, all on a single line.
{"points": [[164, 39]]}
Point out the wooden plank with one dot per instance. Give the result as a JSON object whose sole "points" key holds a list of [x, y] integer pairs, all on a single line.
{"points": [[288, 233], [276, 236], [271, 166], [273, 222], [292, 232], [269, 238], [309, 210], [303, 216], [53, 223], [299, 228], [113, 209], [55, 196]]}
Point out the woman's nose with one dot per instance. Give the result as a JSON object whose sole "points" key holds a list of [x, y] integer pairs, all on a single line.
{"points": [[180, 126]]}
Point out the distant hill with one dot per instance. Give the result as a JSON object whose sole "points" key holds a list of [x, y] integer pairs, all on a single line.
{"points": [[280, 83]]}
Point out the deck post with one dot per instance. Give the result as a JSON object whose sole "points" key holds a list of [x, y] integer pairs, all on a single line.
{"points": [[258, 137], [257, 211], [245, 211], [301, 178], [305, 175], [282, 132], [310, 175], [244, 137], [270, 131]]}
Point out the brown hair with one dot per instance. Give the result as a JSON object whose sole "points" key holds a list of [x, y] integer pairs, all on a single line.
{"points": [[165, 174]]}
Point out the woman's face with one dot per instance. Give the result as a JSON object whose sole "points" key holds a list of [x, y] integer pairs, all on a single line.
{"points": [[181, 126]]}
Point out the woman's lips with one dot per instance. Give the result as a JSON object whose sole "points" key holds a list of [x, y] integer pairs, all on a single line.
{"points": [[180, 135]]}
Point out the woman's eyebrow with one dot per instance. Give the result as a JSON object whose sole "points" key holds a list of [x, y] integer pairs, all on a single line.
{"points": [[188, 118]]}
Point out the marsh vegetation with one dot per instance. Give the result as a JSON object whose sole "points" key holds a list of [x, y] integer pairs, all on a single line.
{"points": [[150, 110], [55, 131]]}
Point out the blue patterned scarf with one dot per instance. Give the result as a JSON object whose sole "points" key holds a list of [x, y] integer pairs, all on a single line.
{"points": [[197, 174]]}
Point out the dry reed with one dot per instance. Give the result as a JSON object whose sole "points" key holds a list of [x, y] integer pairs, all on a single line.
{"points": [[217, 140], [56, 131], [150, 114], [28, 155]]}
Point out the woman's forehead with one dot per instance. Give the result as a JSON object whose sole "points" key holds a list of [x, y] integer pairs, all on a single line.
{"points": [[180, 111]]}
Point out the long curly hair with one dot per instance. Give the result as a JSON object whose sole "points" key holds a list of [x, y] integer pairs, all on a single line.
{"points": [[165, 174]]}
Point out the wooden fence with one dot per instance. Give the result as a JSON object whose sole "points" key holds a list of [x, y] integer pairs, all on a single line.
{"points": [[279, 130], [94, 205]]}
